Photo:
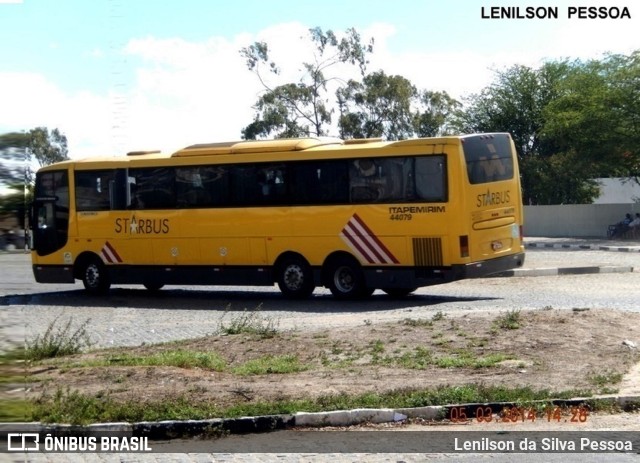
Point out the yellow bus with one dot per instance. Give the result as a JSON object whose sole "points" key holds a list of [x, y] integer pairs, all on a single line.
{"points": [[349, 215]]}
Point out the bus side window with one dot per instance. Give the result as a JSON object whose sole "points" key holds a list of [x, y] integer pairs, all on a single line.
{"points": [[333, 178], [190, 188], [92, 190], [272, 184], [365, 180], [431, 178], [305, 183]]}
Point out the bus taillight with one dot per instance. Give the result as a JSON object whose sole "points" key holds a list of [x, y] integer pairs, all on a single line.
{"points": [[464, 246]]}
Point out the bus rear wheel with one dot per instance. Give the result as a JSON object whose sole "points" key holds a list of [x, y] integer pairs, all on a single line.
{"points": [[95, 276], [295, 278], [346, 279]]}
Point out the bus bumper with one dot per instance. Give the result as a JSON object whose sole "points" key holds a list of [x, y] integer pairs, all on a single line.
{"points": [[488, 267], [53, 273], [407, 277]]}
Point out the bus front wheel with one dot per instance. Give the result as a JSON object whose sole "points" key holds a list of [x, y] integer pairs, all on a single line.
{"points": [[295, 278], [95, 276], [346, 279]]}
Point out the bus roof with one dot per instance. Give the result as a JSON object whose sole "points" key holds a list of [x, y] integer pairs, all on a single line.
{"points": [[257, 146], [281, 145]]}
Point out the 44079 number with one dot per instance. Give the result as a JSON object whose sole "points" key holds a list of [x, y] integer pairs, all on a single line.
{"points": [[401, 216], [480, 414]]}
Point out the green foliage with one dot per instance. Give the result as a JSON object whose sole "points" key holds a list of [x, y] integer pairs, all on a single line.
{"points": [[19, 148], [571, 122], [301, 109], [250, 322], [73, 407], [596, 114], [15, 410], [58, 341], [270, 364], [434, 114], [47, 147], [17, 151], [510, 320], [13, 155], [379, 106], [179, 358]]}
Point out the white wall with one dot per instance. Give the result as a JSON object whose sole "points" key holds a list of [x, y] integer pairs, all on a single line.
{"points": [[617, 191], [574, 220]]}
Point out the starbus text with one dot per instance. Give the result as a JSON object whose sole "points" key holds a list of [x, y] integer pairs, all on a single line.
{"points": [[492, 198], [142, 226]]}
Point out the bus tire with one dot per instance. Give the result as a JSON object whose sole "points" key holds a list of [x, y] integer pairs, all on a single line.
{"points": [[398, 292], [295, 277], [153, 286], [95, 276], [346, 279]]}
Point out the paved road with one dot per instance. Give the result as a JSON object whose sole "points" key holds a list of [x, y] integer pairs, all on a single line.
{"points": [[132, 315]]}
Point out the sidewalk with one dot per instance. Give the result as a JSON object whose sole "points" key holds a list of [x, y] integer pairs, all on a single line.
{"points": [[596, 243]]}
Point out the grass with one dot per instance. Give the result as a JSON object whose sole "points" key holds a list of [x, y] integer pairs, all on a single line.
{"points": [[180, 358], [604, 380], [280, 364], [70, 406], [58, 341], [75, 408]]}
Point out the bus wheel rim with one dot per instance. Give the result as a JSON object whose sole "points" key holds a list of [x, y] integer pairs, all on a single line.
{"points": [[344, 280], [294, 277], [92, 275]]}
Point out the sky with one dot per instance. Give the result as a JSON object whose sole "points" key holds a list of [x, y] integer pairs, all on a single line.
{"points": [[125, 75]]}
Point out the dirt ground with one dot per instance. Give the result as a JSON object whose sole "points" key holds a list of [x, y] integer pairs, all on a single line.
{"points": [[545, 349]]}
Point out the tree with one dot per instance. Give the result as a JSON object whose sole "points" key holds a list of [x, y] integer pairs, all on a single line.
{"points": [[12, 153], [434, 113], [379, 106], [17, 152], [302, 108], [598, 115], [517, 102], [47, 148], [392, 107]]}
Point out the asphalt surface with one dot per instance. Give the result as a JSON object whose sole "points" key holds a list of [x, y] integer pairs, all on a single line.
{"points": [[346, 418]]}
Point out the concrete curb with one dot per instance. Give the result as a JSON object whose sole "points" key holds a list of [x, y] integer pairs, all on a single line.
{"points": [[593, 247], [545, 272], [163, 430]]}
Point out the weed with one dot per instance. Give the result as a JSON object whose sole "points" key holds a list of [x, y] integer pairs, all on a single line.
{"points": [[509, 321], [439, 315], [252, 322], [377, 346], [606, 378], [58, 341], [278, 364], [417, 322], [76, 408], [170, 358]]}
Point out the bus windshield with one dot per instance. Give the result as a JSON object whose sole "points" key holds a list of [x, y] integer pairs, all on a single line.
{"points": [[488, 157]]}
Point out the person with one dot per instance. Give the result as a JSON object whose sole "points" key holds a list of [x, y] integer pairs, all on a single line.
{"points": [[634, 226], [622, 227]]}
